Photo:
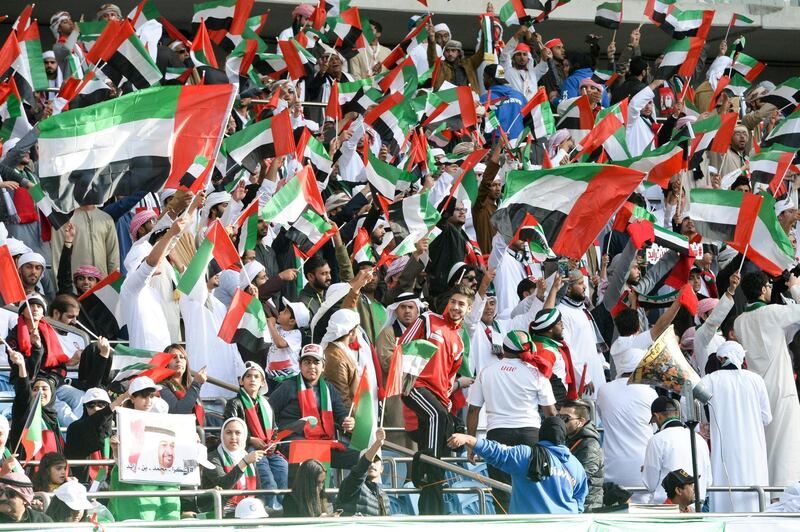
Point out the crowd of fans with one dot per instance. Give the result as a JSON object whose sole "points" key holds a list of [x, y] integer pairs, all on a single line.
{"points": [[537, 353]]}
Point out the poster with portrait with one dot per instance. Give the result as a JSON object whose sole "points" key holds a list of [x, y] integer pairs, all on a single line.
{"points": [[157, 448]]}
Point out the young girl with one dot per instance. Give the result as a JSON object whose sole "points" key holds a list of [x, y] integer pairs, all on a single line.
{"points": [[51, 474], [306, 498], [69, 504], [182, 392], [251, 406]]}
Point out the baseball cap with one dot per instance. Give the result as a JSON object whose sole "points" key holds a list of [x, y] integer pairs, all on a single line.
{"points": [[497, 72], [73, 494], [663, 404], [250, 508], [142, 383], [313, 351], [676, 479], [95, 394], [299, 313]]}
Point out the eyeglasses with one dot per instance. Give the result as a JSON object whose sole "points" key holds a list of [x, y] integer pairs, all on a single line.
{"points": [[470, 278], [567, 418], [460, 209]]}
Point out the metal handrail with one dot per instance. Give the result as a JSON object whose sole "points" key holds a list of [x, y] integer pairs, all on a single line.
{"points": [[761, 491]]}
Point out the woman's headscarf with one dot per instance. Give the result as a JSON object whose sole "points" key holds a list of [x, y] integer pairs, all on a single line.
{"points": [[236, 456]]}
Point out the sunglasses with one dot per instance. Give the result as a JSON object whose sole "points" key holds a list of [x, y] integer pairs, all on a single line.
{"points": [[470, 278], [95, 404]]}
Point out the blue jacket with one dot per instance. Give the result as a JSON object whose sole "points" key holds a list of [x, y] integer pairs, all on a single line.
{"points": [[563, 492], [571, 86], [507, 111]]}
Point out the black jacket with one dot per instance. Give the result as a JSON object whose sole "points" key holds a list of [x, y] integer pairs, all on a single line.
{"points": [[85, 436], [217, 477], [585, 446], [235, 408], [31, 516], [286, 407], [357, 495]]}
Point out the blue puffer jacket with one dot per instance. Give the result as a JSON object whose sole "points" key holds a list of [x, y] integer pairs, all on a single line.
{"points": [[507, 111], [562, 492]]}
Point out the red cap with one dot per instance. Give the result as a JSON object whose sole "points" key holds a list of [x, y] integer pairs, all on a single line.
{"points": [[553, 42], [522, 47]]}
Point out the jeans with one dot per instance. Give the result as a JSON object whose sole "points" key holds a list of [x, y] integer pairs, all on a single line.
{"points": [[273, 473], [68, 404]]}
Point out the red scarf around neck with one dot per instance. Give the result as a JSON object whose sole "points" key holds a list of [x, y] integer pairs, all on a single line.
{"points": [[325, 429], [55, 355]]}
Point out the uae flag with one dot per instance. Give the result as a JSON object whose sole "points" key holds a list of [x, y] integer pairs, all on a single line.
{"points": [[14, 121], [146, 11], [32, 432], [125, 356], [289, 202], [768, 168], [786, 133], [385, 177], [740, 21], [785, 95], [538, 116], [77, 93], [391, 119], [692, 23], [219, 16], [316, 153], [155, 368], [415, 356], [530, 231], [11, 289], [264, 139], [659, 165], [415, 37], [713, 134], [656, 10], [455, 106], [609, 15], [365, 414], [630, 213], [245, 323], [402, 78], [90, 32], [577, 117], [608, 132], [201, 52], [724, 215], [572, 203], [272, 65], [414, 216], [29, 67], [362, 247], [46, 206], [299, 61], [513, 13], [216, 245], [748, 67], [194, 179], [107, 293], [345, 33], [125, 56], [680, 58], [604, 77], [770, 248], [309, 232], [146, 138], [247, 223]]}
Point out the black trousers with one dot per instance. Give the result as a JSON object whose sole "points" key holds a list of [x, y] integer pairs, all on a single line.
{"points": [[510, 437], [435, 422]]}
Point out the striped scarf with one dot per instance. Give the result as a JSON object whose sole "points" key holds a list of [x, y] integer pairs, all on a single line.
{"points": [[259, 427], [309, 407], [245, 482]]}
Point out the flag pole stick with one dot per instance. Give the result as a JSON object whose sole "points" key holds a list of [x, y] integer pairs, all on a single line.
{"points": [[739, 271], [82, 326], [614, 36], [383, 411], [725, 39]]}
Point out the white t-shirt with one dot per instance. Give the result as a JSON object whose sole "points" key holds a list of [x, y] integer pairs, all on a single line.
{"points": [[512, 391], [284, 362], [628, 351], [71, 343]]}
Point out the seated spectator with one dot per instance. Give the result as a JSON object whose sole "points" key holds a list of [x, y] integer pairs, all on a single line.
{"points": [[306, 498], [16, 496], [51, 473], [234, 465], [360, 492], [583, 441], [679, 487], [69, 504], [182, 391]]}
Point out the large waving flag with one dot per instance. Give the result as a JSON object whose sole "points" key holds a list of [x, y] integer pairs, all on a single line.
{"points": [[29, 68], [222, 16], [786, 133], [572, 203], [288, 203], [146, 138], [713, 134], [217, 245], [125, 56], [309, 232], [412, 217], [264, 139], [11, 289], [724, 215], [785, 95], [245, 323]]}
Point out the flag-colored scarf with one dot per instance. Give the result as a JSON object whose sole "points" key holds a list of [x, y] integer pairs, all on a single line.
{"points": [[199, 411], [258, 426], [309, 407], [55, 355], [100, 473], [246, 481]]}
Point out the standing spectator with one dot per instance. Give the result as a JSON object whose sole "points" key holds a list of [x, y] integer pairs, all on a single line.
{"points": [[368, 61], [521, 71], [707, 337], [318, 278], [670, 449], [301, 19], [512, 391], [455, 68], [95, 241], [581, 333], [761, 331], [546, 478], [583, 441], [341, 360], [283, 359], [739, 411]]}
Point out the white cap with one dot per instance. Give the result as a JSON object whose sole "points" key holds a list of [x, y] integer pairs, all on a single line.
{"points": [[202, 457], [31, 257], [250, 508], [95, 394], [142, 383], [73, 494], [48, 54], [780, 206], [301, 314]]}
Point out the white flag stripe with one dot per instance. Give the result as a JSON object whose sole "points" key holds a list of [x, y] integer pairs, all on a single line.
{"points": [[559, 190]]}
